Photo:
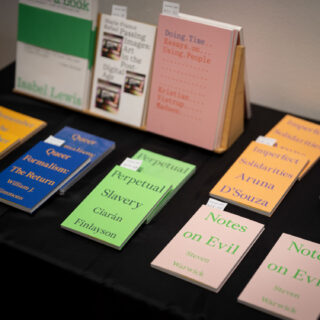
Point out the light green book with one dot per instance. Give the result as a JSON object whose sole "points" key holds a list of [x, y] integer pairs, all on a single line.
{"points": [[174, 172], [117, 206]]}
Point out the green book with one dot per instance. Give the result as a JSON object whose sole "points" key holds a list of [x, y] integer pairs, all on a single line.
{"points": [[174, 172], [117, 206]]}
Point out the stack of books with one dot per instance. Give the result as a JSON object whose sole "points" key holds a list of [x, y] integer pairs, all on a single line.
{"points": [[263, 174], [52, 165], [34, 177], [260, 178], [125, 199]]}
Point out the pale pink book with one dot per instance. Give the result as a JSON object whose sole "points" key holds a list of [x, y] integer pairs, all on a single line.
{"points": [[208, 248], [287, 283], [190, 81]]}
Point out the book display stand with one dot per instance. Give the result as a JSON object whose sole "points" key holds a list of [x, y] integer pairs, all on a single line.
{"points": [[234, 120], [230, 128], [235, 113]]}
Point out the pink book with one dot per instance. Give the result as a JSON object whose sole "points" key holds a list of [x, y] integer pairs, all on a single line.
{"points": [[208, 248], [190, 82], [287, 283]]}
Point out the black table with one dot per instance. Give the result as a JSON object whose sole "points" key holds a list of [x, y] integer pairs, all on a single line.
{"points": [[48, 271]]}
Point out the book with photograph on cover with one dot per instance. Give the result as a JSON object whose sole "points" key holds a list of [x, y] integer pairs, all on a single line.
{"points": [[122, 70]]}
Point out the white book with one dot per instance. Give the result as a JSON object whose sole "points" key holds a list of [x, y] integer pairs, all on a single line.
{"points": [[55, 49], [122, 70]]}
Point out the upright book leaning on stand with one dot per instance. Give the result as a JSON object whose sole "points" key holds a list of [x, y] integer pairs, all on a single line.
{"points": [[122, 70], [192, 73], [55, 50]]}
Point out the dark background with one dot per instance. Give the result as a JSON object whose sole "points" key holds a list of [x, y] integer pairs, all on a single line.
{"points": [[49, 272]]}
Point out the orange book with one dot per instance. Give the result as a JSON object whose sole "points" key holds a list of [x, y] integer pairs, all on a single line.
{"points": [[15, 128], [260, 178], [7, 143], [299, 136]]}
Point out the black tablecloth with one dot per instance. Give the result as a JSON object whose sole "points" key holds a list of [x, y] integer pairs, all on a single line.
{"points": [[46, 270]]}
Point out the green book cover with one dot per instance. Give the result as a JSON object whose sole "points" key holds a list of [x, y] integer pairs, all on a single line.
{"points": [[117, 206], [173, 171]]}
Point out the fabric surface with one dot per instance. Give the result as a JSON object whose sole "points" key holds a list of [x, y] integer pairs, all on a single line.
{"points": [[44, 266]]}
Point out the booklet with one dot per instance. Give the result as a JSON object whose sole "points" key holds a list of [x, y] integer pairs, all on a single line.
{"points": [[97, 148], [117, 206], [299, 136], [208, 248], [122, 70], [175, 172], [191, 77], [260, 178], [287, 283], [16, 128], [29, 181], [55, 50]]}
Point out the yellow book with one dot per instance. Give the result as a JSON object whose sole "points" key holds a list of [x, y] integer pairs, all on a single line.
{"points": [[299, 136], [7, 143], [15, 128], [260, 178]]}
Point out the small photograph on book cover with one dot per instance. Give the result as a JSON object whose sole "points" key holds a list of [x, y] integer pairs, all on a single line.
{"points": [[134, 83], [108, 96], [111, 46]]}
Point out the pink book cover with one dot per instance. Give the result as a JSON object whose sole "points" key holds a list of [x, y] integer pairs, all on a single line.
{"points": [[190, 81], [208, 248], [287, 283]]}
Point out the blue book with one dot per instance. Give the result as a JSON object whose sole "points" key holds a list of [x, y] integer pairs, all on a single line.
{"points": [[38, 174], [84, 143]]}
